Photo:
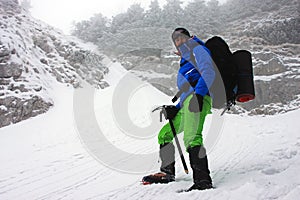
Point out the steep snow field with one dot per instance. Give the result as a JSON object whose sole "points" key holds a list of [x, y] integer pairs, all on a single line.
{"points": [[50, 157]]}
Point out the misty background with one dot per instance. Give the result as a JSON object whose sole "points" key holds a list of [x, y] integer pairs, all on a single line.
{"points": [[135, 24], [140, 39], [137, 35], [54, 11]]}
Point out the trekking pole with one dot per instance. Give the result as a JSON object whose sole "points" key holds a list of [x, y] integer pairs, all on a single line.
{"points": [[163, 112]]}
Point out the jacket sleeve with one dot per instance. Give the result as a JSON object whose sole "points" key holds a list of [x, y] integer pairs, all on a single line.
{"points": [[178, 106], [204, 65]]}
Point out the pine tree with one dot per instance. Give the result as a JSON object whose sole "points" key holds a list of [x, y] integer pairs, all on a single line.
{"points": [[91, 30], [195, 15], [119, 22], [173, 15], [214, 19], [135, 15], [153, 15]]}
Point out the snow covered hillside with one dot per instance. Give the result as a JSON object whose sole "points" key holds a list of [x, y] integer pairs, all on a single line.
{"points": [[33, 55], [58, 155]]}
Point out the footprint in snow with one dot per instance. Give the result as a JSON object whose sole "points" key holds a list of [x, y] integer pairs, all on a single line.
{"points": [[271, 171], [284, 153]]}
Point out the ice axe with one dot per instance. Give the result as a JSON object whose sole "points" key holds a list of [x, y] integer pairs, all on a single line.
{"points": [[163, 112]]}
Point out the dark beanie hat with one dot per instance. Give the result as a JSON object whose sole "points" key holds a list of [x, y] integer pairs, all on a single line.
{"points": [[180, 32]]}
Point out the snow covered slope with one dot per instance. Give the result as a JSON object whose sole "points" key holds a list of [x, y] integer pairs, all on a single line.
{"points": [[48, 157], [32, 56]]}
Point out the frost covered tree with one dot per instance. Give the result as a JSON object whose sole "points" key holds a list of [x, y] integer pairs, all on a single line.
{"points": [[153, 14], [204, 18], [98, 27], [173, 15], [214, 16], [119, 22], [136, 15], [133, 17], [195, 14], [91, 30]]}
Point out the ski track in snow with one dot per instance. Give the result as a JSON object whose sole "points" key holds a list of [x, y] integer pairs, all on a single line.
{"points": [[44, 158]]}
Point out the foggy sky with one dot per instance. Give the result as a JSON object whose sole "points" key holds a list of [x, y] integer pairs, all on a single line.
{"points": [[61, 13]]}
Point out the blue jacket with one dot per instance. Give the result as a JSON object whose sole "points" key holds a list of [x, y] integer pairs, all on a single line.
{"points": [[202, 73]]}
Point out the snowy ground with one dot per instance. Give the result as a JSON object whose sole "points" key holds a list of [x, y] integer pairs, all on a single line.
{"points": [[46, 157]]}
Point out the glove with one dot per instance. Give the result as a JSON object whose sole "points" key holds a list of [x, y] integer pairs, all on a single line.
{"points": [[170, 111], [196, 103]]}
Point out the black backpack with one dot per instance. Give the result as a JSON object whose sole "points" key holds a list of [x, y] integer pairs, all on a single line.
{"points": [[234, 82]]}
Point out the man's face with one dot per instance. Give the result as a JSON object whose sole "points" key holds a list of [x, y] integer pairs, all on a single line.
{"points": [[180, 40]]}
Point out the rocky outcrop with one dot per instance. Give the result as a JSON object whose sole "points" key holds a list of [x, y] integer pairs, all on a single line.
{"points": [[282, 90], [14, 105], [14, 109], [77, 62], [271, 67], [10, 7]]}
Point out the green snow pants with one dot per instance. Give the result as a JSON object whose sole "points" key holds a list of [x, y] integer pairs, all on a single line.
{"points": [[188, 122]]}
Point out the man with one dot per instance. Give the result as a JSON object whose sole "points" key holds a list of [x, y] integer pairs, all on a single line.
{"points": [[195, 76]]}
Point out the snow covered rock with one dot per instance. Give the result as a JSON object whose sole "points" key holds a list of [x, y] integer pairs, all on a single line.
{"points": [[10, 6], [17, 109], [273, 66]]}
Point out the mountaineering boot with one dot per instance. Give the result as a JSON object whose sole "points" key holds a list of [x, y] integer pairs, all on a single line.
{"points": [[159, 177], [199, 164], [167, 174], [204, 185]]}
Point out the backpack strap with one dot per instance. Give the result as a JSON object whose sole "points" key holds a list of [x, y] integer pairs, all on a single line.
{"points": [[192, 57]]}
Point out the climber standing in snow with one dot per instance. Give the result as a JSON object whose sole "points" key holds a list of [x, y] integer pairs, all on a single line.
{"points": [[195, 76]]}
